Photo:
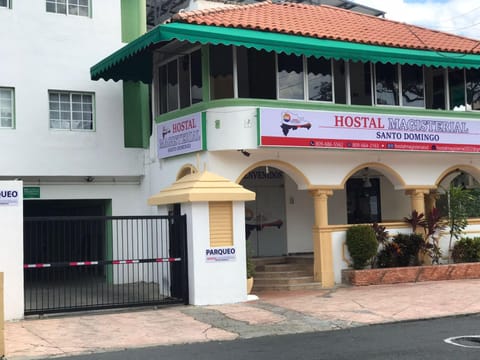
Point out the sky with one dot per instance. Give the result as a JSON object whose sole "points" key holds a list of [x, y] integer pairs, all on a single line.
{"points": [[460, 17]]}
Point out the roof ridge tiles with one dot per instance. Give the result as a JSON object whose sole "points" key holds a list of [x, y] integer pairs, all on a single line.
{"points": [[183, 15], [328, 22]]}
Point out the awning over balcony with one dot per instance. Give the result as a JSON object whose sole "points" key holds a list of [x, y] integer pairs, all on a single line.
{"points": [[134, 61]]}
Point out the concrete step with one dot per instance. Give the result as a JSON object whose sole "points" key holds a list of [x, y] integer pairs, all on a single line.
{"points": [[287, 287], [282, 281], [285, 273], [287, 267], [302, 259], [282, 274]]}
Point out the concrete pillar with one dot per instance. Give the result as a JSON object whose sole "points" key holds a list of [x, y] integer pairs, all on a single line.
{"points": [[417, 199], [11, 248], [322, 240], [2, 319]]}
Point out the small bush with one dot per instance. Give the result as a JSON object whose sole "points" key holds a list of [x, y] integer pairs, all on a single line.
{"points": [[403, 250], [466, 250], [362, 245]]}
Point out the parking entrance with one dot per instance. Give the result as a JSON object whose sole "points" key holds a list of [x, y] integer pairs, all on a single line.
{"points": [[74, 263]]}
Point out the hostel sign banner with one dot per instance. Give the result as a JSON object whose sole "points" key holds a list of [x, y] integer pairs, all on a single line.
{"points": [[180, 136], [368, 131]]}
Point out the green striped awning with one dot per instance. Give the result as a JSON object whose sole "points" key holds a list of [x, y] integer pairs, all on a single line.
{"points": [[134, 61]]}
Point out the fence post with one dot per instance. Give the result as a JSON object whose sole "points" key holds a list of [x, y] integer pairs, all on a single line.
{"points": [[2, 319]]}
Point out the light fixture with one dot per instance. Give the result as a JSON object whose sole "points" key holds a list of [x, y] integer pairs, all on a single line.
{"points": [[244, 152], [89, 179], [267, 170], [366, 179]]}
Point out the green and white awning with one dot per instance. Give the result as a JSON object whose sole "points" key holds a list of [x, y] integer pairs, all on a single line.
{"points": [[134, 61]]}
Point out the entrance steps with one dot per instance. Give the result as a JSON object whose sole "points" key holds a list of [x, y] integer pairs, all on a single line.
{"points": [[284, 273]]}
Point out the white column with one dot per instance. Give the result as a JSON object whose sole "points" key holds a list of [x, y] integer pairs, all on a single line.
{"points": [[11, 247]]}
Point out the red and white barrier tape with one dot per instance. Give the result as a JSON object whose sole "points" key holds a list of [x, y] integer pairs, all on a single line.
{"points": [[101, 262]]}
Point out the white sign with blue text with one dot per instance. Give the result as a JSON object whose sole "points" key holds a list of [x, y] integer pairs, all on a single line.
{"points": [[180, 136], [220, 254], [8, 197]]}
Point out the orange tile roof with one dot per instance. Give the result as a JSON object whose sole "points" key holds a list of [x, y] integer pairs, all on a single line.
{"points": [[327, 22]]}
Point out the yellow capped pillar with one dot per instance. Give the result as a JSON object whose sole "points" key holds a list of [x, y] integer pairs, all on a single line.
{"points": [[417, 199], [322, 240]]}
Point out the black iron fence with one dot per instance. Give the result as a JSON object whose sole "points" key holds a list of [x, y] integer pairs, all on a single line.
{"points": [[82, 263]]}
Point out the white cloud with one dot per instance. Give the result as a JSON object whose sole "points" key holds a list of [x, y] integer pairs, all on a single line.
{"points": [[460, 17]]}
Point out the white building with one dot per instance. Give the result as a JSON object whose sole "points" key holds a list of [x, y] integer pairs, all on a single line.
{"points": [[64, 133], [66, 136]]}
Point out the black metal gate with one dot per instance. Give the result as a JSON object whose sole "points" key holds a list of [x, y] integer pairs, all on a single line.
{"points": [[99, 262]]}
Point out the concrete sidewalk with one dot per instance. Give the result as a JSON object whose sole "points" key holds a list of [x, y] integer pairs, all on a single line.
{"points": [[273, 313]]}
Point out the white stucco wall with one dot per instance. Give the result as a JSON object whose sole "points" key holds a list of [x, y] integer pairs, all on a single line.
{"points": [[11, 251], [214, 282]]}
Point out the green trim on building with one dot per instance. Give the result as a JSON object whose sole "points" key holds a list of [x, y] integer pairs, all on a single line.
{"points": [[134, 19], [205, 106], [136, 115], [205, 73], [109, 242], [204, 130], [136, 97], [258, 127], [134, 61]]}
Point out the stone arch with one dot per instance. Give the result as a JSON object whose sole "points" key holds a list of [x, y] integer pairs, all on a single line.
{"points": [[391, 174], [472, 170], [300, 179], [185, 170]]}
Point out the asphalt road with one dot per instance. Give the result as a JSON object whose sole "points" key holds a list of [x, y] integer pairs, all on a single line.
{"points": [[405, 340]]}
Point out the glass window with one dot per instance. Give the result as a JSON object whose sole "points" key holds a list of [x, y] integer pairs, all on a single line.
{"points": [[172, 85], [184, 80], [162, 90], [339, 83], [412, 86], [70, 7], [221, 72], [435, 88], [473, 89], [360, 83], [456, 89], [180, 83], [71, 111], [363, 201], [196, 76], [290, 77], [256, 74], [5, 3], [386, 84], [6, 107], [319, 79]]}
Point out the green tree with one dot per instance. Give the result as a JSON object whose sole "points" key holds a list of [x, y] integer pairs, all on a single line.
{"points": [[459, 201]]}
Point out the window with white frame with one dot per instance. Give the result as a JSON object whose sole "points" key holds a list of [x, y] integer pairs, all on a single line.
{"points": [[386, 84], [69, 7], [413, 89], [180, 83], [473, 89], [6, 107], [71, 110], [290, 77], [319, 76], [6, 4]]}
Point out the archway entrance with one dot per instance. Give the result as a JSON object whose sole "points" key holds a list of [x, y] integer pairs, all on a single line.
{"points": [[265, 217]]}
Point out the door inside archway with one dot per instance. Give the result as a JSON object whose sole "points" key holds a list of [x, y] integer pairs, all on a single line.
{"points": [[265, 217]]}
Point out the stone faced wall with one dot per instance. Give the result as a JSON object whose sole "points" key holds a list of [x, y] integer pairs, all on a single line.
{"points": [[411, 274]]}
